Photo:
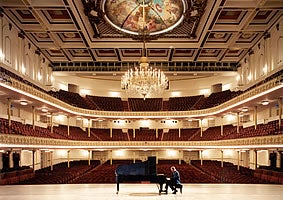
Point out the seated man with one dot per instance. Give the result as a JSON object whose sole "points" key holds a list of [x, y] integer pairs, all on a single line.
{"points": [[174, 182]]}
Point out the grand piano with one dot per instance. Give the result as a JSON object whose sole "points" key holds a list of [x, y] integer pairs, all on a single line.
{"points": [[138, 172]]}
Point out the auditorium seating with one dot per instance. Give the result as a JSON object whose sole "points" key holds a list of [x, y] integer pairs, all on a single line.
{"points": [[71, 98], [183, 103], [214, 133], [104, 173], [61, 174], [210, 172], [226, 174], [107, 103], [269, 175], [149, 104], [75, 133], [144, 134], [215, 99], [15, 176], [185, 134]]}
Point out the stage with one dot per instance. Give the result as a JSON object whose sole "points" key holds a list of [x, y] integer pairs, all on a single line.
{"points": [[140, 191]]}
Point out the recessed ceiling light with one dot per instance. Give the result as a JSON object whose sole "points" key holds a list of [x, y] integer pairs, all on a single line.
{"points": [[264, 103], [44, 110], [23, 102]]}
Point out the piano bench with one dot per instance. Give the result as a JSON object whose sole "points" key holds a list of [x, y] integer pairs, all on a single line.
{"points": [[180, 186]]}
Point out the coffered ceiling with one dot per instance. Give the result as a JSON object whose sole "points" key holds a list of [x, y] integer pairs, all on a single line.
{"points": [[76, 31]]}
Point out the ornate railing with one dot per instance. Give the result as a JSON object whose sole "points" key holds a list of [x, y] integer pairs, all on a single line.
{"points": [[48, 99], [8, 140]]}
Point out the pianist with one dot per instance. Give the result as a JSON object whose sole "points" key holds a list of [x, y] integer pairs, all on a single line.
{"points": [[174, 182]]}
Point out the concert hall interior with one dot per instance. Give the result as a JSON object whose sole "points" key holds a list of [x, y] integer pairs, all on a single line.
{"points": [[89, 85]]}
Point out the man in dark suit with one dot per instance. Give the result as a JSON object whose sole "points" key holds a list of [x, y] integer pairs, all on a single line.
{"points": [[174, 182]]}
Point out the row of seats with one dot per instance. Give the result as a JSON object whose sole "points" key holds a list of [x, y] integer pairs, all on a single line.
{"points": [[16, 176], [97, 134], [269, 174], [226, 174], [61, 173], [148, 104], [80, 172]]}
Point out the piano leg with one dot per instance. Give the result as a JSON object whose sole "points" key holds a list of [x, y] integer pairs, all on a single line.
{"points": [[117, 188], [161, 188]]}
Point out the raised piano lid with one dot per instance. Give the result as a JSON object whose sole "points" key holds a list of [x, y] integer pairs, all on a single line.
{"points": [[132, 169], [145, 168]]}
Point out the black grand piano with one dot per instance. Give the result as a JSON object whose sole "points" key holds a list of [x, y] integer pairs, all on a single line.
{"points": [[138, 172]]}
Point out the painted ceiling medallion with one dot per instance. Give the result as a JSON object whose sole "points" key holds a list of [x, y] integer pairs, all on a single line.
{"points": [[70, 35], [246, 35], [42, 35], [219, 35], [144, 16]]}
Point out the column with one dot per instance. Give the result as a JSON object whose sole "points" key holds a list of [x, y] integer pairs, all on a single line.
{"points": [[238, 122], [9, 112], [134, 133], [280, 112], [156, 133], [68, 158], [255, 117], [88, 128], [51, 122], [221, 151], [200, 127], [68, 125], [278, 159], [221, 132], [255, 158], [238, 159], [1, 37], [111, 133], [51, 160], [134, 156], [33, 159], [111, 157], [10, 155], [201, 161], [253, 70], [89, 154], [21, 56], [37, 67], [180, 159], [33, 117], [267, 52], [156, 157]]}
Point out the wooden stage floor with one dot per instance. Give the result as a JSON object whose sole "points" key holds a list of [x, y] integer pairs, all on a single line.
{"points": [[140, 192]]}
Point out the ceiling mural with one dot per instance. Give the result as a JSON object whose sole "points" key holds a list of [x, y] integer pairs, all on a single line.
{"points": [[150, 16]]}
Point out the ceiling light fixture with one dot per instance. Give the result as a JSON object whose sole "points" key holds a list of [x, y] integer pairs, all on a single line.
{"points": [[144, 80], [44, 110], [265, 103], [23, 102]]}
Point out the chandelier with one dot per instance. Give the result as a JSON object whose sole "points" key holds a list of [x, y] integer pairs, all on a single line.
{"points": [[144, 80]]}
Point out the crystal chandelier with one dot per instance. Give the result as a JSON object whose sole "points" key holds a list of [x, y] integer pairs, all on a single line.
{"points": [[144, 80]]}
